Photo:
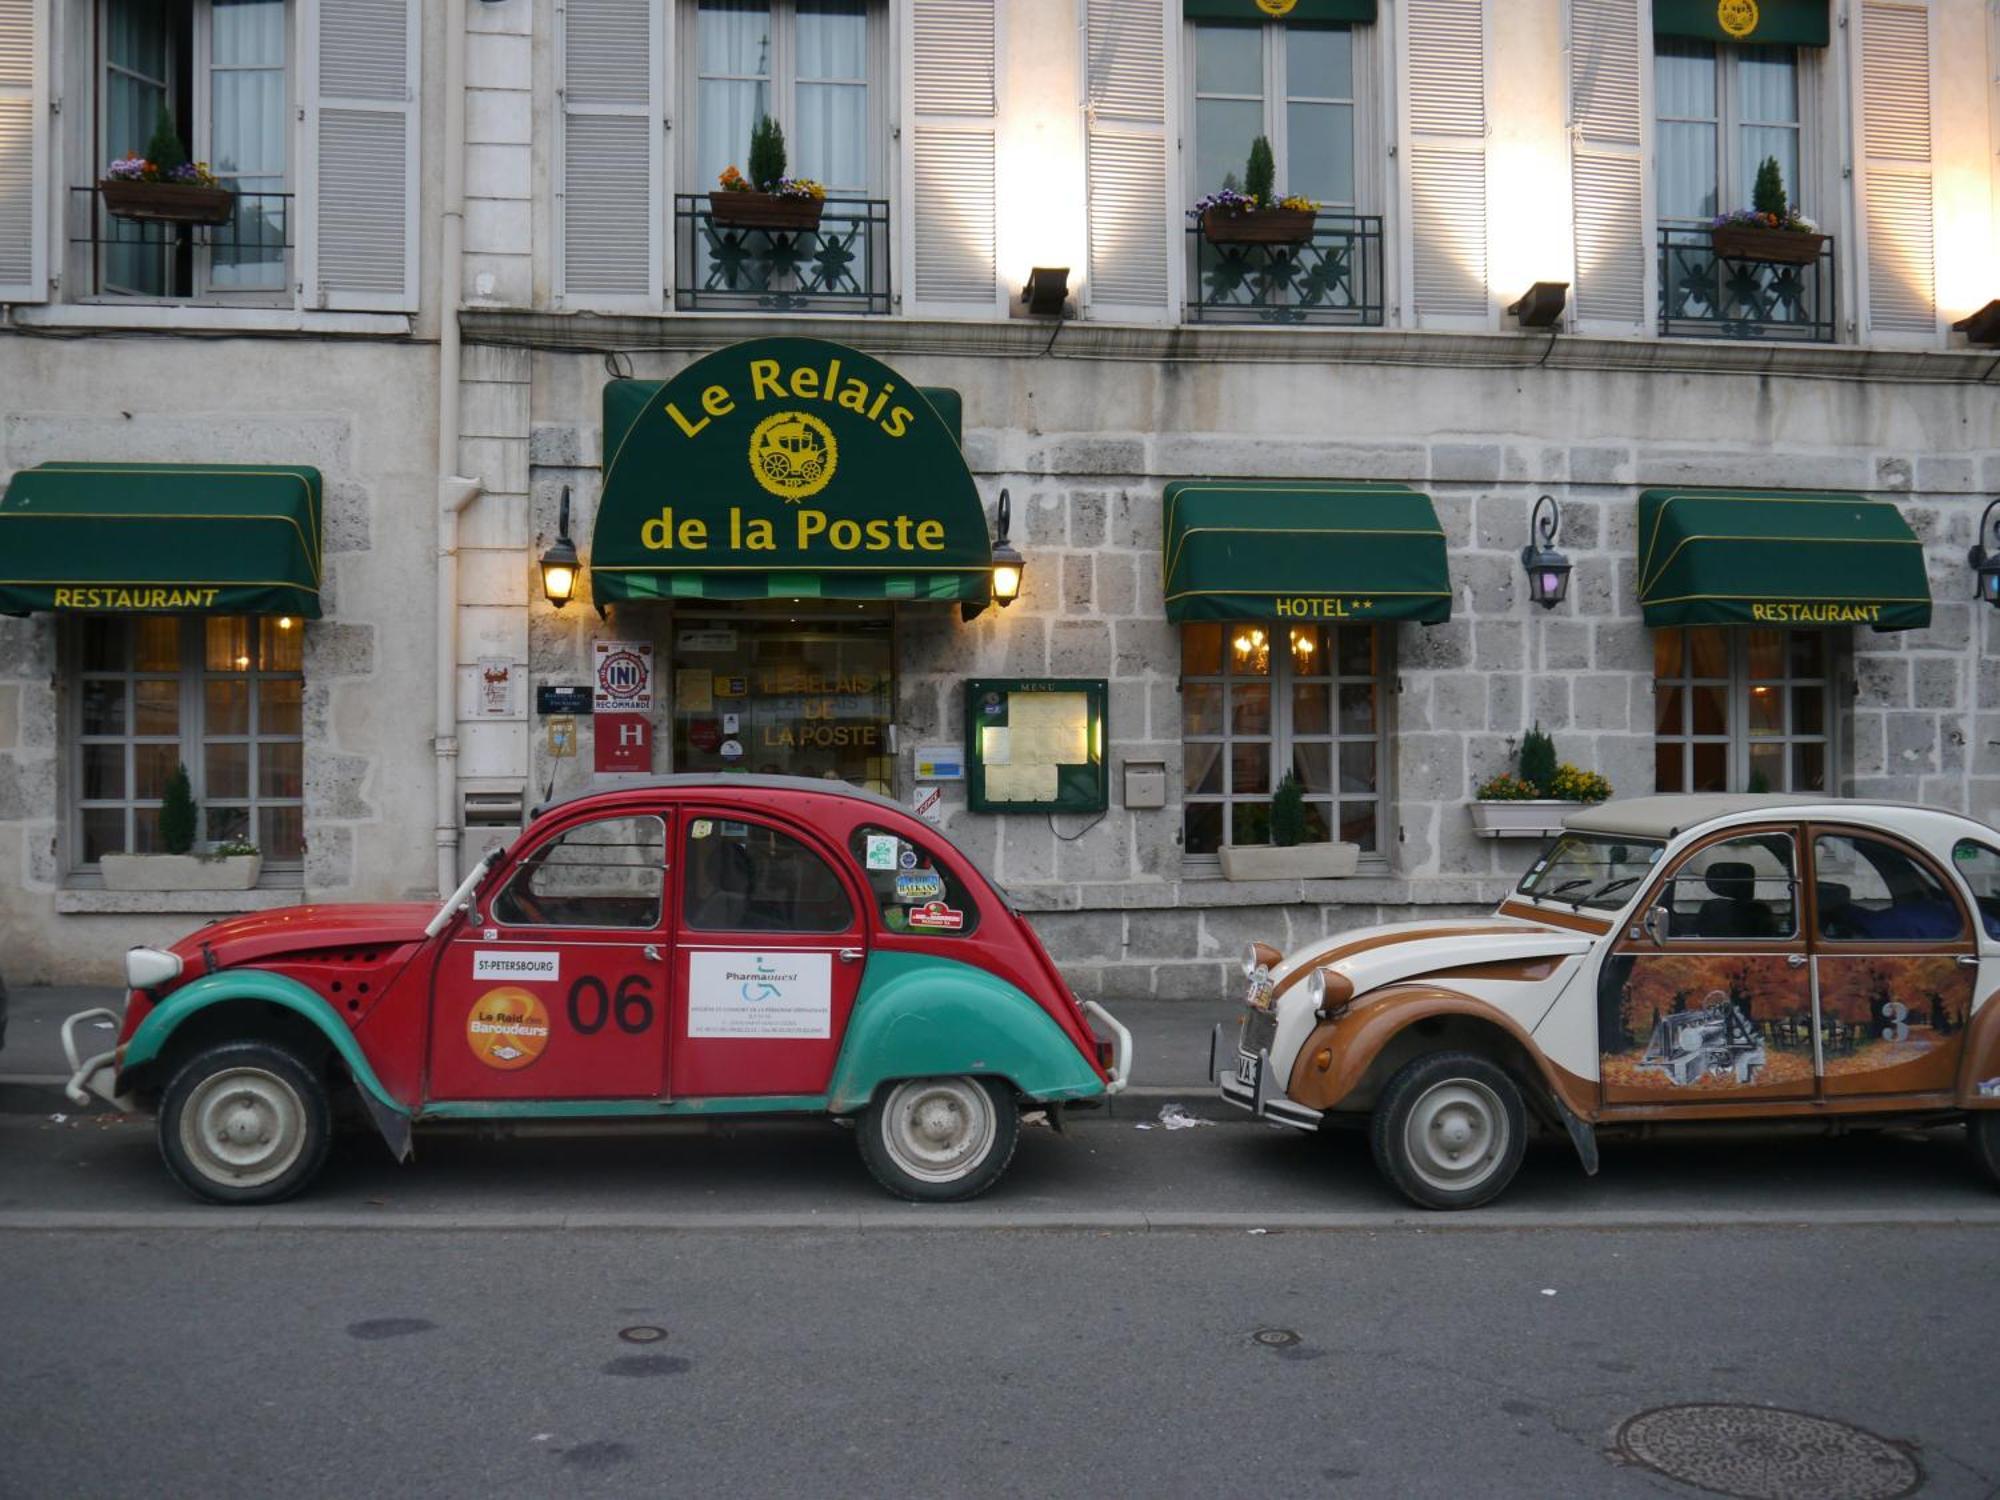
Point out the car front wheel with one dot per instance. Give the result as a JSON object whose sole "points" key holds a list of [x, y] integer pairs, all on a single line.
{"points": [[1450, 1130], [1982, 1133], [245, 1122], [940, 1140]]}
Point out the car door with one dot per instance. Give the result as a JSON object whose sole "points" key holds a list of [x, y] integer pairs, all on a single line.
{"points": [[1719, 1008], [768, 955], [560, 989], [1895, 959]]}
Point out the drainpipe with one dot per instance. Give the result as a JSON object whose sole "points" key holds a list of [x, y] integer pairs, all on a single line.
{"points": [[454, 491]]}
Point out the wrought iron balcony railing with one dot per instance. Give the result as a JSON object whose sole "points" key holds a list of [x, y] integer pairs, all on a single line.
{"points": [[1704, 295], [246, 254], [1335, 277], [842, 266]]}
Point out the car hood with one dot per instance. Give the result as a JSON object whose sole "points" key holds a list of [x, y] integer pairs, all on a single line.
{"points": [[264, 935], [1374, 956]]}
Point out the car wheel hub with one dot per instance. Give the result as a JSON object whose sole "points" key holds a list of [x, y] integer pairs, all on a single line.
{"points": [[937, 1130], [1456, 1135], [243, 1128]]}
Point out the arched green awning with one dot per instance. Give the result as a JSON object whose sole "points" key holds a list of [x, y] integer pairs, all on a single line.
{"points": [[784, 469], [178, 538], [1778, 557], [1278, 550]]}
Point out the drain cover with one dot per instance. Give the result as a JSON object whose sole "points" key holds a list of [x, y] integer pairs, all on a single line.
{"points": [[642, 1333], [1275, 1338], [1764, 1453]]}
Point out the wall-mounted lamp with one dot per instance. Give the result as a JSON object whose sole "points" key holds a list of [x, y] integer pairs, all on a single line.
{"points": [[1008, 565], [1982, 327], [1548, 569], [1046, 292], [1987, 564], [1541, 306], [560, 562]]}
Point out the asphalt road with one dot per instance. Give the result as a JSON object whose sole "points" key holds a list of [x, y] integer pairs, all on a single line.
{"points": [[1007, 1363]]}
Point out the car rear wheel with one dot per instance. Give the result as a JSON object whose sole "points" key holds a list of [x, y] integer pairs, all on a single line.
{"points": [[1982, 1133], [940, 1140], [245, 1122], [1449, 1131]]}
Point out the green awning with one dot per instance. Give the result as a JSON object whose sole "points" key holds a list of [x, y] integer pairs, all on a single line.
{"points": [[1796, 23], [165, 538], [1272, 550], [1768, 557], [1292, 12]]}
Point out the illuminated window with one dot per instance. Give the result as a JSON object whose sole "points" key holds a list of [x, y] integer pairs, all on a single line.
{"points": [[1743, 710]]}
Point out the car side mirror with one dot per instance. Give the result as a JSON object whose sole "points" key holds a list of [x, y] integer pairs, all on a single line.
{"points": [[1657, 924]]}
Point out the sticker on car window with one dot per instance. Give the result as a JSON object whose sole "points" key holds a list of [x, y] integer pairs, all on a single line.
{"points": [[881, 852], [913, 886], [701, 828], [908, 858], [936, 916]]}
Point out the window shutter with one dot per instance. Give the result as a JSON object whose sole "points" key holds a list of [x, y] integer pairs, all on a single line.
{"points": [[952, 158], [363, 66], [1607, 165], [1447, 151], [1125, 159], [1896, 151], [24, 151], [609, 213]]}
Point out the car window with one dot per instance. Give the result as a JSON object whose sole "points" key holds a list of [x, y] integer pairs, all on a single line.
{"points": [[608, 873], [1740, 888], [1979, 866], [1591, 869], [1869, 889], [913, 890], [741, 876]]}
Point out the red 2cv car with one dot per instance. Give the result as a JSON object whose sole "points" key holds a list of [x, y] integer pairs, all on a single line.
{"points": [[684, 946]]}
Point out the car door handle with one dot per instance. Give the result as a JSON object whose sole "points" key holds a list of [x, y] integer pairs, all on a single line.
{"points": [[652, 953], [850, 955], [1970, 960], [1796, 960]]}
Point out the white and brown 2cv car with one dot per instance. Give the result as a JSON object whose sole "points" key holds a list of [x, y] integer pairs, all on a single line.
{"points": [[1665, 959]]}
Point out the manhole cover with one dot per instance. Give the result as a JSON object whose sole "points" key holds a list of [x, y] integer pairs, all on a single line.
{"points": [[1764, 1453], [1275, 1338], [642, 1333]]}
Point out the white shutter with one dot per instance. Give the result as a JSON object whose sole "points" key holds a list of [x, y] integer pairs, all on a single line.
{"points": [[1446, 52], [1607, 165], [1896, 189], [609, 210], [359, 231], [24, 151], [1125, 159], [954, 89]]}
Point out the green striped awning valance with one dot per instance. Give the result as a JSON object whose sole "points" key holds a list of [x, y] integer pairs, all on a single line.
{"points": [[1277, 550], [645, 584], [1770, 557], [177, 538]]}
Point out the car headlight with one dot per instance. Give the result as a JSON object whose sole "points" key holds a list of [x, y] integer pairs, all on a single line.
{"points": [[149, 968], [1316, 988], [1259, 956], [1329, 991]]}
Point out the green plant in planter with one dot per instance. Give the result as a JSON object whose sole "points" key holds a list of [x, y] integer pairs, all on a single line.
{"points": [[767, 155], [1260, 175], [1538, 760], [165, 150], [177, 813], [1768, 196], [1288, 813]]}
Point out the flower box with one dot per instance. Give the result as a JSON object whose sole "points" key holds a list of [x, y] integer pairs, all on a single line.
{"points": [[1790, 247], [1257, 226], [180, 872], [765, 210], [1331, 861], [1535, 818], [166, 202]]}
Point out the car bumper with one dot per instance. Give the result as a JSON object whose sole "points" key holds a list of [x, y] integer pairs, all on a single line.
{"points": [[98, 1073], [1121, 1047], [1251, 1083]]}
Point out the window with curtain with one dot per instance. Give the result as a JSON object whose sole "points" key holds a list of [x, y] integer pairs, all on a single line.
{"points": [[1258, 700], [810, 65], [1294, 85], [222, 695], [1721, 110], [1743, 710]]}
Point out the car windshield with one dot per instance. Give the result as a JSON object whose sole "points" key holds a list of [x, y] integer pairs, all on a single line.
{"points": [[1591, 869]]}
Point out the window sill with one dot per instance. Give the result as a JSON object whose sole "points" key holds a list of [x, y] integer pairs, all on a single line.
{"points": [[95, 901], [208, 317]]}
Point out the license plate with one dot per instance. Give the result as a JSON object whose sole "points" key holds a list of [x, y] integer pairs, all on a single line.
{"points": [[1246, 1072]]}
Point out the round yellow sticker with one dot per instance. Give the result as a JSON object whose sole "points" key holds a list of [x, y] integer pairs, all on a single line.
{"points": [[1737, 17], [793, 454], [1277, 7], [508, 1028]]}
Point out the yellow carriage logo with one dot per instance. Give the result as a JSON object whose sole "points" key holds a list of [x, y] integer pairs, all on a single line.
{"points": [[1277, 7], [1737, 17], [793, 454]]}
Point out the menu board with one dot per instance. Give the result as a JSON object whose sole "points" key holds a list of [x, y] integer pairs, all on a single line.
{"points": [[1035, 744]]}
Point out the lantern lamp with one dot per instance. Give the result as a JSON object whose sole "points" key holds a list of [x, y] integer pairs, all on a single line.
{"points": [[1541, 306], [1548, 569], [1008, 564], [560, 562], [1984, 563]]}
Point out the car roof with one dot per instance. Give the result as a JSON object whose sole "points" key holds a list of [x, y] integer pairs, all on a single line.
{"points": [[1667, 816]]}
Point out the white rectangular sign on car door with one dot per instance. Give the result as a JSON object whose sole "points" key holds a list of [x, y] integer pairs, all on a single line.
{"points": [[771, 994]]}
